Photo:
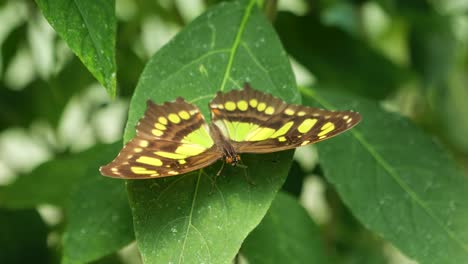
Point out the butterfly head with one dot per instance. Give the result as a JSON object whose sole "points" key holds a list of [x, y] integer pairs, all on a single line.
{"points": [[232, 159]]}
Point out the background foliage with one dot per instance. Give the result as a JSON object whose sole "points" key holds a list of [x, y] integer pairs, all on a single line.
{"points": [[392, 190]]}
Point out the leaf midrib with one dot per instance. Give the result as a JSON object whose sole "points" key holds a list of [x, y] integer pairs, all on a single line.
{"points": [[236, 43], [388, 168]]}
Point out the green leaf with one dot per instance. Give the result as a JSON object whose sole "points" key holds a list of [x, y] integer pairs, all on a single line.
{"points": [[53, 181], [23, 237], [187, 218], [286, 235], [336, 59], [99, 219], [398, 182], [89, 28]]}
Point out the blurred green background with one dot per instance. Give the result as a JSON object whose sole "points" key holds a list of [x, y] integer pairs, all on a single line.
{"points": [[410, 55]]}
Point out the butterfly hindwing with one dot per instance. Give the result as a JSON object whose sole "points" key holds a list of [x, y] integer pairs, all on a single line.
{"points": [[256, 122], [171, 139]]}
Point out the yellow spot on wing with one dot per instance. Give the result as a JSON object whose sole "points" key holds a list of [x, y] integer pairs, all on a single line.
{"points": [[184, 115], [174, 118], [160, 126], [281, 139], [306, 125], [230, 106], [141, 170], [143, 143], [189, 150], [289, 111], [182, 161], [301, 113], [170, 155], [157, 132], [173, 172], [261, 107], [149, 161], [269, 110], [305, 142], [327, 128], [242, 105], [162, 120], [253, 103], [137, 150], [283, 130]]}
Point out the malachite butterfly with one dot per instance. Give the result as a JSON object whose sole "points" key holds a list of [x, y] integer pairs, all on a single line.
{"points": [[174, 138]]}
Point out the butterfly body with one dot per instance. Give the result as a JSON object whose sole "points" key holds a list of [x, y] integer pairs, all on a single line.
{"points": [[174, 138], [224, 146]]}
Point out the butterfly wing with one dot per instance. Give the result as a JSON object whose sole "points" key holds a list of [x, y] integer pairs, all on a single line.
{"points": [[171, 139], [257, 122]]}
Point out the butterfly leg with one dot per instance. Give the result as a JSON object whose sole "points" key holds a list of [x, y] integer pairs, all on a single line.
{"points": [[214, 179], [246, 173]]}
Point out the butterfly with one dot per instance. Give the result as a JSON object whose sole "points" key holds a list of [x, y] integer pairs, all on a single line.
{"points": [[174, 138]]}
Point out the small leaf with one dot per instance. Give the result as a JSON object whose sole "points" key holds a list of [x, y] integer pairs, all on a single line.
{"points": [[286, 235], [89, 28], [23, 237], [53, 181], [190, 218], [42, 99], [397, 182], [99, 220]]}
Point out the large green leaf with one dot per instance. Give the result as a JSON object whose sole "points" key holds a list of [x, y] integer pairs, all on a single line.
{"points": [[88, 27], [398, 182], [336, 59], [187, 218], [287, 234], [99, 219], [23, 237]]}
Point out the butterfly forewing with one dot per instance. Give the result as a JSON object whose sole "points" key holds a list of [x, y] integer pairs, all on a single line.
{"points": [[256, 122], [171, 139]]}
